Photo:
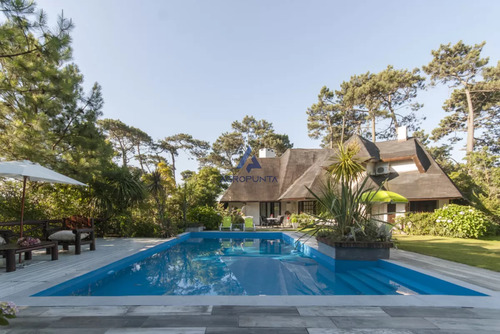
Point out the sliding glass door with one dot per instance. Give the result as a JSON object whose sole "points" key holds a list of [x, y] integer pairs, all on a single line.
{"points": [[270, 208]]}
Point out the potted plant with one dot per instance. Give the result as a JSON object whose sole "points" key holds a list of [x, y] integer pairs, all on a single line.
{"points": [[345, 221], [294, 219]]}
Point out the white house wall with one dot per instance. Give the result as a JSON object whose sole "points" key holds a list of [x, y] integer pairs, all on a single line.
{"points": [[403, 166], [380, 211], [400, 209], [253, 209], [292, 207], [443, 202]]}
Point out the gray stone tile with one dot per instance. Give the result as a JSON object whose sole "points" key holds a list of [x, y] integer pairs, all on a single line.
{"points": [[169, 310], [58, 330], [172, 330], [283, 321], [247, 310], [484, 313], [466, 324], [358, 331], [191, 321], [73, 330], [21, 331], [382, 322], [255, 330], [348, 311], [454, 331], [32, 323], [30, 311], [98, 322], [86, 311], [438, 312]]}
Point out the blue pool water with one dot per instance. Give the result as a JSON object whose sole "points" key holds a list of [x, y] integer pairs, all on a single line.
{"points": [[235, 264]]}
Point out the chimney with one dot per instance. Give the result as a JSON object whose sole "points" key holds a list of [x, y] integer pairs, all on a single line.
{"points": [[402, 133], [266, 153]]}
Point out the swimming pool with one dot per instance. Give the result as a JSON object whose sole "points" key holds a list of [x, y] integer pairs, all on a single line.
{"points": [[237, 263]]}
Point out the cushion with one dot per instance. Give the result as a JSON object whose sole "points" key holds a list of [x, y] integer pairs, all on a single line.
{"points": [[66, 236], [2, 241]]}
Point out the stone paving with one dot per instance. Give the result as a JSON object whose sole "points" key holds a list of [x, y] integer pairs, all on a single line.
{"points": [[254, 319], [247, 314]]}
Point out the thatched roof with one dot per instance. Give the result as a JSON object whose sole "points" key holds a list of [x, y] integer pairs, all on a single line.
{"points": [[429, 182], [297, 169], [368, 151]]}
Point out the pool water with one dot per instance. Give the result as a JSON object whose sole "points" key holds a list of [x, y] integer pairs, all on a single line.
{"points": [[250, 266]]}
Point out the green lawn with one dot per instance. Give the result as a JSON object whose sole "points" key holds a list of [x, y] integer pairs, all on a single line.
{"points": [[483, 253]]}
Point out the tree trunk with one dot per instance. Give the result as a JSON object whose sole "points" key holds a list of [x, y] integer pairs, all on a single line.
{"points": [[373, 128], [140, 157], [173, 165], [343, 129], [330, 132], [393, 115], [470, 123], [331, 137]]}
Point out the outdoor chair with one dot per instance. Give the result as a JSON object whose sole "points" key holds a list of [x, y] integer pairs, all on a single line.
{"points": [[226, 224], [263, 221], [280, 221], [74, 231], [249, 224], [5, 236]]}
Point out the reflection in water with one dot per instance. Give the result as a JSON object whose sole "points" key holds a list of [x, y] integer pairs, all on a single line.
{"points": [[222, 267]]}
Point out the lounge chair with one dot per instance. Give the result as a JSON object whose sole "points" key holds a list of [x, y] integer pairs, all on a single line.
{"points": [[249, 224], [248, 242], [74, 231], [226, 243], [226, 224]]}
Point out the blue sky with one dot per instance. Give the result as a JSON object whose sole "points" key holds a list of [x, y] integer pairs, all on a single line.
{"points": [[195, 66]]}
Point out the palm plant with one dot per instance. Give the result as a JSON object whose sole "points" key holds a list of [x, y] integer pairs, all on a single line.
{"points": [[345, 211], [114, 194], [159, 184], [346, 167]]}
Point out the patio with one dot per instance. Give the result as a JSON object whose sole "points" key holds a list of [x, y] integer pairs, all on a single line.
{"points": [[246, 314]]}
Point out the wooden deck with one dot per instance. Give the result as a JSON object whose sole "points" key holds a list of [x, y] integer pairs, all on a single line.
{"points": [[41, 271]]}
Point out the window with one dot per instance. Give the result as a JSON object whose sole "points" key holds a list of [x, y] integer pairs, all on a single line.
{"points": [[270, 208], [308, 207], [423, 206]]}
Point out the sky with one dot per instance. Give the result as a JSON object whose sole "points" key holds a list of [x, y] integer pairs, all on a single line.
{"points": [[168, 67]]}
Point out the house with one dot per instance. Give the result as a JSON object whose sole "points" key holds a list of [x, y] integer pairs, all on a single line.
{"points": [[278, 187]]}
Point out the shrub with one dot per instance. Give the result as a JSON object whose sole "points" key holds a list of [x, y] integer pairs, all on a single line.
{"points": [[462, 221], [419, 223], [142, 229], [8, 310], [304, 219], [205, 215], [457, 221]]}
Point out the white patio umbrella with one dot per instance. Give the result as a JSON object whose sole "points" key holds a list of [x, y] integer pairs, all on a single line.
{"points": [[26, 170]]}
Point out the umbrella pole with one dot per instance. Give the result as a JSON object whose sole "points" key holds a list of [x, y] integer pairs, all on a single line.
{"points": [[22, 204], [22, 210]]}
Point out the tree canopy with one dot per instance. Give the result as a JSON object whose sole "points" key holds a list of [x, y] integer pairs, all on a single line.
{"points": [[229, 147], [460, 65]]}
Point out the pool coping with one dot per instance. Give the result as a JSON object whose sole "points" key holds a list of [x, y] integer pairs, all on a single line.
{"points": [[491, 301]]}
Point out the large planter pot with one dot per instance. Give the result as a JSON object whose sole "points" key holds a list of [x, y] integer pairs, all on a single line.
{"points": [[359, 251]]}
